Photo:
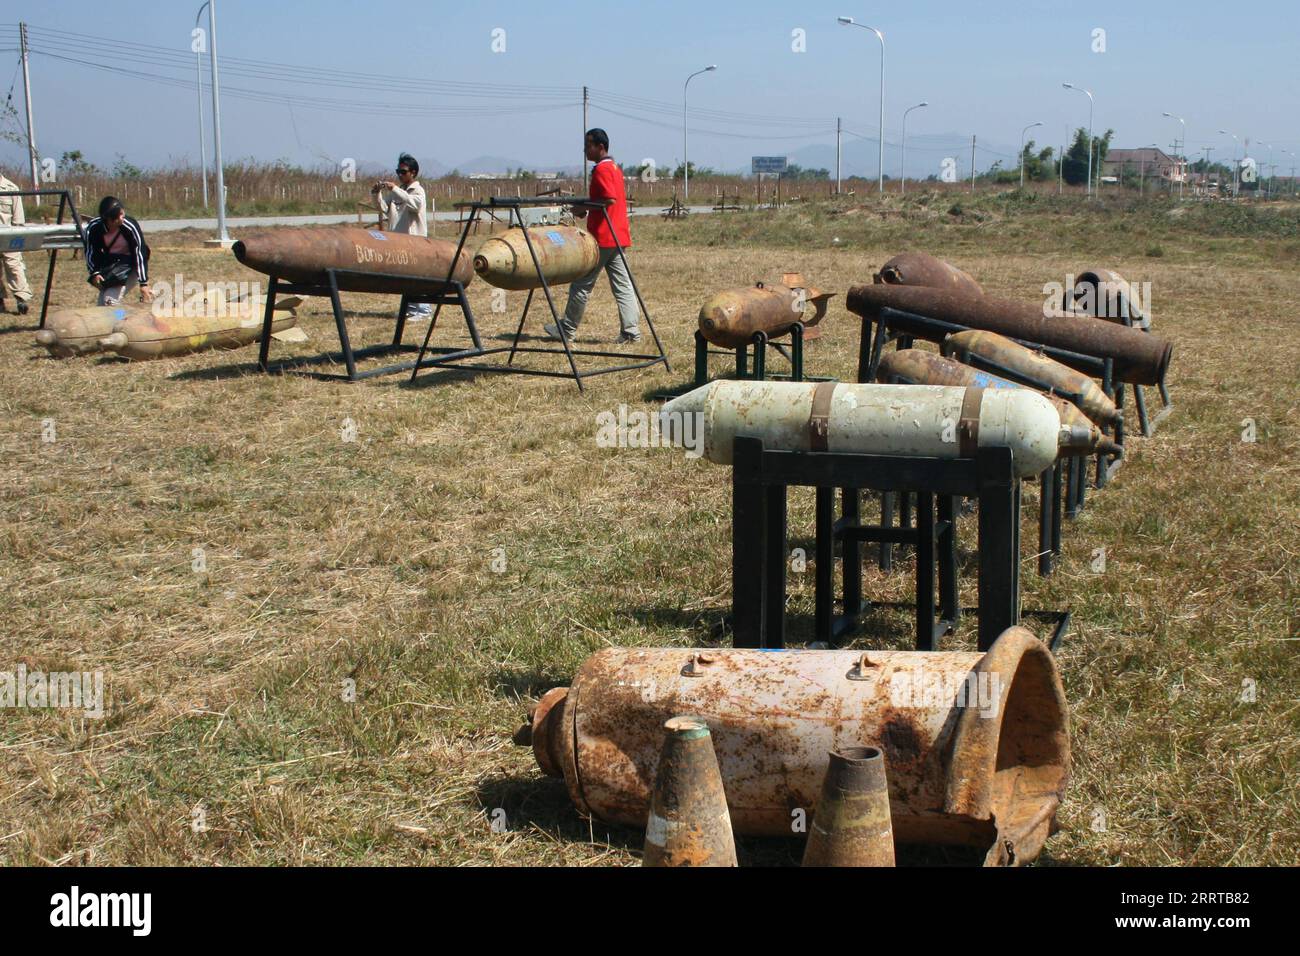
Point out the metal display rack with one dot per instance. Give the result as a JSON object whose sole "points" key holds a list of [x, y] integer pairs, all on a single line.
{"points": [[871, 348], [35, 243], [457, 358], [437, 291], [760, 480]]}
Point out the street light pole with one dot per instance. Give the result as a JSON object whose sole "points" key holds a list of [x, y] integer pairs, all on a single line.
{"points": [[198, 92], [224, 237], [686, 163], [1184, 175], [1091, 103], [850, 22], [902, 149], [1235, 187], [1022, 151]]}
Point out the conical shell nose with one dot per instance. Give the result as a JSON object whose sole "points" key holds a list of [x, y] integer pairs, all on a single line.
{"points": [[46, 337], [694, 401], [689, 823], [851, 825]]}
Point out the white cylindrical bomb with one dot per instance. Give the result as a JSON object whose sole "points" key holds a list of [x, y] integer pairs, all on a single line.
{"points": [[908, 420]]}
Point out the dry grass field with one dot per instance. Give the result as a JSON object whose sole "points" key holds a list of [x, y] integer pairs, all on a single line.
{"points": [[371, 559]]}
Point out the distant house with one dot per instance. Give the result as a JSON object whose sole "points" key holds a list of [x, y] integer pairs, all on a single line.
{"points": [[1150, 161]]}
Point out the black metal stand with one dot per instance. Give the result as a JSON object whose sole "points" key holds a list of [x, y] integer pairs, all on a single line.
{"points": [[65, 204], [760, 342], [457, 359], [437, 291], [760, 480]]}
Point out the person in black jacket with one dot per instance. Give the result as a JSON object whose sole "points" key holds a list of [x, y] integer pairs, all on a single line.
{"points": [[117, 256]]}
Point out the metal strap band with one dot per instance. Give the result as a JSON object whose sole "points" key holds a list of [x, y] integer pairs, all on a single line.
{"points": [[819, 421], [968, 426]]}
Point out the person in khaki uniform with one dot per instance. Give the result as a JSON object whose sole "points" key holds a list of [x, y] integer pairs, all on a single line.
{"points": [[11, 263]]}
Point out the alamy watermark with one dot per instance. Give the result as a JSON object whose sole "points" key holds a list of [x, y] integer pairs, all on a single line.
{"points": [[65, 690], [633, 428], [214, 300], [932, 690], [1106, 300]]}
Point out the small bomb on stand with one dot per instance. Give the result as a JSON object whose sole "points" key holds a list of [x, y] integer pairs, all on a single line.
{"points": [[919, 268], [564, 253], [1018, 359], [730, 318]]}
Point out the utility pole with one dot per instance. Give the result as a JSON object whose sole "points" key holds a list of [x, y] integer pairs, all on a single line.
{"points": [[585, 127], [838, 131], [972, 163], [223, 238], [31, 126]]}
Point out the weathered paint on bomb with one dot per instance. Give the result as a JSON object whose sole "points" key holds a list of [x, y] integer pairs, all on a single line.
{"points": [[956, 774], [1139, 357], [389, 259], [564, 253], [871, 419]]}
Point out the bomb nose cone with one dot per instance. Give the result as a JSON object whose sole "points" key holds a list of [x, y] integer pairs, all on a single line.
{"points": [[46, 337], [114, 341], [238, 250], [696, 400]]}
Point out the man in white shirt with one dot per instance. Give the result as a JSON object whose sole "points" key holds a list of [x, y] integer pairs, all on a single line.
{"points": [[12, 270], [403, 204]]}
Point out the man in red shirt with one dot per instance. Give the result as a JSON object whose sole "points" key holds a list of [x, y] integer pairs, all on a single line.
{"points": [[606, 183]]}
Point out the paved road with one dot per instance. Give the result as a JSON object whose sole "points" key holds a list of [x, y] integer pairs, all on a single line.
{"points": [[249, 222]]}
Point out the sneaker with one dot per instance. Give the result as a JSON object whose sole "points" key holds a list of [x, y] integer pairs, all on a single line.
{"points": [[628, 338], [22, 307], [554, 333]]}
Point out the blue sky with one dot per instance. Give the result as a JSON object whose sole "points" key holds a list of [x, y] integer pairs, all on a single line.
{"points": [[983, 73]]}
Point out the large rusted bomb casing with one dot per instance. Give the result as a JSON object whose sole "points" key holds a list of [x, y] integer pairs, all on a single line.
{"points": [[147, 336], [976, 745], [303, 255], [911, 420], [1139, 357], [1105, 294], [925, 368], [851, 825], [688, 823], [730, 318], [922, 269], [78, 331], [1015, 357], [564, 253]]}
